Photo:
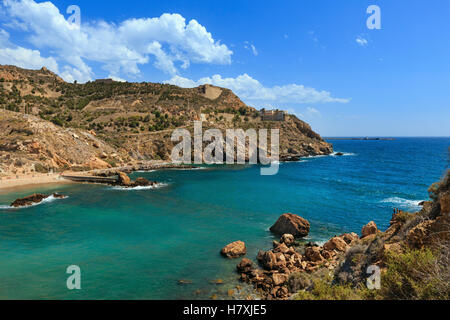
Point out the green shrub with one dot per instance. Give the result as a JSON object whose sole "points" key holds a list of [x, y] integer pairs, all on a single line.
{"points": [[325, 290], [410, 276], [40, 168]]}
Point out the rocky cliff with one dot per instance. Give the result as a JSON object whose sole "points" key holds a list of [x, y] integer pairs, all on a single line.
{"points": [[51, 124]]}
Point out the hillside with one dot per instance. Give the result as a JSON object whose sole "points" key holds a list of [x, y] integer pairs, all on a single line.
{"points": [[105, 122]]}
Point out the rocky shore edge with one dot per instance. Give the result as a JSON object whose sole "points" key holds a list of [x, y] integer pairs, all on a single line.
{"points": [[290, 270]]}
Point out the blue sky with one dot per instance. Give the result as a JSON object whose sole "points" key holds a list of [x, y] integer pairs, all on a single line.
{"points": [[316, 59]]}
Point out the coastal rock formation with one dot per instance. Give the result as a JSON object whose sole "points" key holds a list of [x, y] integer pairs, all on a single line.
{"points": [[292, 224], [287, 239], [142, 182], [234, 250], [289, 271], [34, 199], [29, 200], [369, 229], [285, 260], [336, 243], [123, 179]]}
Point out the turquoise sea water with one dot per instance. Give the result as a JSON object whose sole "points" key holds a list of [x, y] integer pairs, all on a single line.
{"points": [[136, 244]]}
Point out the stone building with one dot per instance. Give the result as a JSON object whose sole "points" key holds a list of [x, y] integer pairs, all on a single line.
{"points": [[272, 115]]}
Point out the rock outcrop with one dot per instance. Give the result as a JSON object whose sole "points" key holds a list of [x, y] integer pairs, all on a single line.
{"points": [[34, 199], [123, 179], [369, 229], [292, 224]]}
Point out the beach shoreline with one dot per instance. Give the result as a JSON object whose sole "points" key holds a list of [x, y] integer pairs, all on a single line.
{"points": [[22, 182]]}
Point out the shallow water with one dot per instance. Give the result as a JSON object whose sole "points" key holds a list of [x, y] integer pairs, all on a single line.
{"points": [[137, 244]]}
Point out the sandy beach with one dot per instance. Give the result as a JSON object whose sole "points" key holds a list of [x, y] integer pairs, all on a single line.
{"points": [[30, 180]]}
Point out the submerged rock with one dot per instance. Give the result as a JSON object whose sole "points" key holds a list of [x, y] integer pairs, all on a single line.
{"points": [[234, 250], [292, 224]]}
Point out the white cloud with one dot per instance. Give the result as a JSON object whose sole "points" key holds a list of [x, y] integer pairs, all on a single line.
{"points": [[120, 49], [22, 57], [26, 58], [250, 46], [361, 41], [313, 113], [252, 91]]}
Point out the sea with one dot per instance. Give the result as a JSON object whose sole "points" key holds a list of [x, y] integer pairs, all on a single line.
{"points": [[139, 243]]}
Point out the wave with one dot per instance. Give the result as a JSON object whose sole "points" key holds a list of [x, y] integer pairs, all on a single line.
{"points": [[344, 154], [46, 200], [403, 203], [158, 186]]}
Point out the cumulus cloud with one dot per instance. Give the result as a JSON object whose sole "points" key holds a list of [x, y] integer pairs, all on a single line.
{"points": [[361, 41], [252, 91], [26, 58], [165, 41], [22, 57]]}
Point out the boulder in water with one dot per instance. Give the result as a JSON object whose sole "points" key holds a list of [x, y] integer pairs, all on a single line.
{"points": [[234, 250], [123, 179], [292, 224]]}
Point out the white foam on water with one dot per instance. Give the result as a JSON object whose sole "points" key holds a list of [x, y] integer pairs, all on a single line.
{"points": [[404, 203], [344, 154], [159, 185]]}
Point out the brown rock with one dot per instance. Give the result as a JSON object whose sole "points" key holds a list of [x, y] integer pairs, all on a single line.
{"points": [[245, 266], [28, 201], [59, 196], [269, 260], [349, 237], [123, 179], [279, 279], [234, 250], [419, 236], [283, 248], [142, 182], [313, 254], [291, 224], [369, 229], [337, 244], [287, 239]]}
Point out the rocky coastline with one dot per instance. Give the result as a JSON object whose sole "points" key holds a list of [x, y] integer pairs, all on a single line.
{"points": [[291, 270]]}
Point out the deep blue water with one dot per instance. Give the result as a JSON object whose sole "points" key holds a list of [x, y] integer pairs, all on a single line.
{"points": [[136, 244]]}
